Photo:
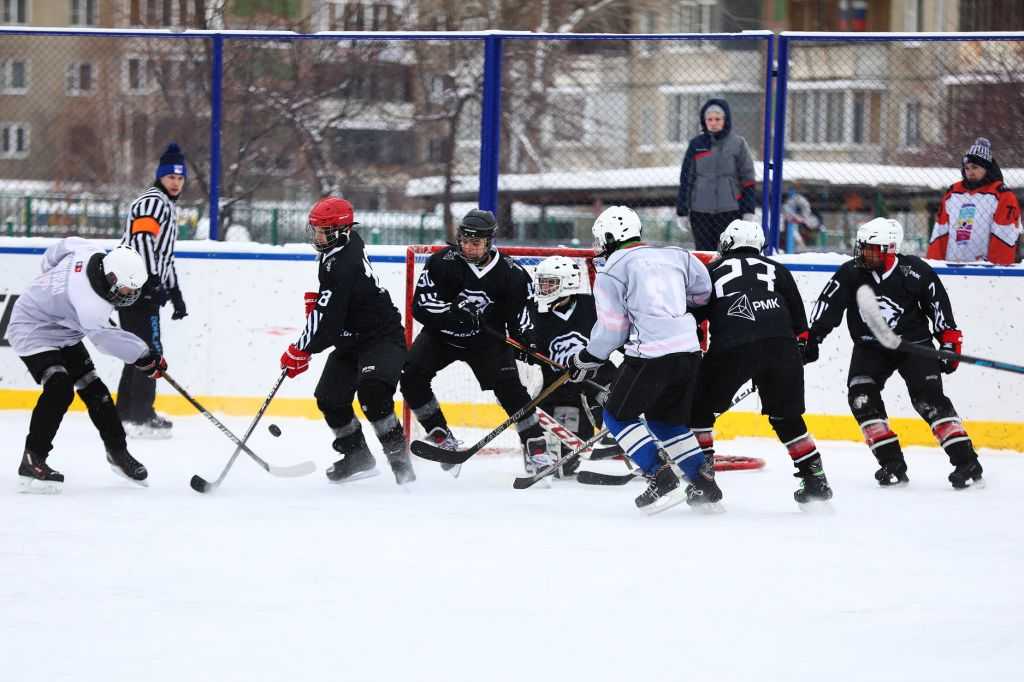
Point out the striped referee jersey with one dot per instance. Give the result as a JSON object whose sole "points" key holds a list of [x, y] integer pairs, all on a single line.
{"points": [[152, 230]]}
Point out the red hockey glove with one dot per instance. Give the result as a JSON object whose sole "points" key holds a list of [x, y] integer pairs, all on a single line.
{"points": [[294, 361], [309, 299], [951, 340], [153, 364]]}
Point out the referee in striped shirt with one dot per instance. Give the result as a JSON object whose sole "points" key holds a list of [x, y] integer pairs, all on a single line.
{"points": [[152, 230]]}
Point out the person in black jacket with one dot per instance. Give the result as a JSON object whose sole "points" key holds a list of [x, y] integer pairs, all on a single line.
{"points": [[468, 298], [910, 296], [353, 314], [757, 322]]}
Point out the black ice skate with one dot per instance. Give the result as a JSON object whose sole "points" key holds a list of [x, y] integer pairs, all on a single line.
{"points": [[967, 475], [703, 492], [664, 491], [353, 466], [813, 487], [154, 428], [398, 456], [892, 474], [123, 464], [36, 476], [443, 438]]}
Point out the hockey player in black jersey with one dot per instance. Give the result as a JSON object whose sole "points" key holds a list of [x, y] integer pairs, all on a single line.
{"points": [[564, 318], [910, 295], [465, 294], [353, 314], [757, 320]]}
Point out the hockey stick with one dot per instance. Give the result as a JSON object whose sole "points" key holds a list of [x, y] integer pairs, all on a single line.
{"points": [[543, 359], [438, 454], [523, 482], [200, 484], [597, 478], [867, 304], [300, 469]]}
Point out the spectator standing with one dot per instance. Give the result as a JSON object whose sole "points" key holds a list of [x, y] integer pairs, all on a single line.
{"points": [[716, 182], [979, 218]]}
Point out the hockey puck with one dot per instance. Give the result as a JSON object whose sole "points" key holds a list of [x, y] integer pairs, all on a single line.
{"points": [[275, 430]]}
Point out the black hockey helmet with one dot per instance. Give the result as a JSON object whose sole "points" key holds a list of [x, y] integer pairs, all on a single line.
{"points": [[477, 224]]}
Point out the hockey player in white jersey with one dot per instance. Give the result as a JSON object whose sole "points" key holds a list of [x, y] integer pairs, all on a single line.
{"points": [[72, 299], [642, 294]]}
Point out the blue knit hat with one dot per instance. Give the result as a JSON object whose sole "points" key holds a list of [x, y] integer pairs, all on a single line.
{"points": [[172, 162]]}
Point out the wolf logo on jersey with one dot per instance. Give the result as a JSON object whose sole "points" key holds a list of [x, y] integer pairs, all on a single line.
{"points": [[891, 311], [566, 346], [475, 299]]}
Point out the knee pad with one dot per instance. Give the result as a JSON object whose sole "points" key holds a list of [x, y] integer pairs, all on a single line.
{"points": [[57, 385], [865, 399], [930, 402], [792, 431], [376, 398]]}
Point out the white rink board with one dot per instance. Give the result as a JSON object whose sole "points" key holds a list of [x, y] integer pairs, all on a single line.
{"points": [[244, 309]]}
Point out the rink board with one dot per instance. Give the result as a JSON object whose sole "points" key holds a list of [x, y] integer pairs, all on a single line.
{"points": [[245, 306]]}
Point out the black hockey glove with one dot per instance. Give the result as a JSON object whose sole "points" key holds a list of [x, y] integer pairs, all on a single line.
{"points": [[152, 364], [524, 354], [153, 292], [583, 366], [179, 304], [808, 347], [467, 313]]}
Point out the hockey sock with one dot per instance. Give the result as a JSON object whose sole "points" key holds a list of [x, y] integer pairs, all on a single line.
{"points": [[884, 443], [638, 443], [430, 416], [680, 445], [792, 431], [706, 440], [58, 392], [954, 440]]}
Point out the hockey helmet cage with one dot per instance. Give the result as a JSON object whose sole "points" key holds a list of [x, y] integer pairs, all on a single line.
{"points": [[615, 225], [878, 242], [330, 221], [741, 234], [556, 277], [124, 268]]}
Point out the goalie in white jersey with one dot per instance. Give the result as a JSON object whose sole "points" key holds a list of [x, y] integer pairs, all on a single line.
{"points": [[642, 295], [73, 299]]}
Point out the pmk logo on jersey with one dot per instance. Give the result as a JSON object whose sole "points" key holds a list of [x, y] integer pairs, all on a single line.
{"points": [[78, 266], [741, 308]]}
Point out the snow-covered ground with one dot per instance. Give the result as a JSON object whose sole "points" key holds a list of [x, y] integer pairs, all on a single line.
{"points": [[468, 579]]}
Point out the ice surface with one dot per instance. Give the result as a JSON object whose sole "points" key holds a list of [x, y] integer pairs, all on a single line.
{"points": [[468, 579]]}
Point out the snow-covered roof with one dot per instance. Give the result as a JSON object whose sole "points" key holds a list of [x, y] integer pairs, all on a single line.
{"points": [[817, 172]]}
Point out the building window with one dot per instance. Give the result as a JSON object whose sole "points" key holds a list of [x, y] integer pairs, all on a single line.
{"points": [[83, 12], [158, 12], [647, 131], [78, 79], [991, 15], [355, 17], [13, 77], [831, 117], [690, 16], [568, 118], [138, 75], [683, 117], [435, 149], [912, 124], [14, 140], [15, 11]]}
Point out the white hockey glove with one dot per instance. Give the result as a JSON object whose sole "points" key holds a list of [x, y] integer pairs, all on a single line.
{"points": [[684, 223], [583, 366]]}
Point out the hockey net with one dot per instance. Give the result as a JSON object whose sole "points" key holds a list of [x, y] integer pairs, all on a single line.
{"points": [[472, 411]]}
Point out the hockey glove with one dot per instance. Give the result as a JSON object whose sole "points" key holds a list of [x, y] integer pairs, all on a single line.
{"points": [[808, 347], [309, 300], [524, 354], [467, 313], [152, 364], [154, 293], [179, 304], [583, 366], [294, 361], [951, 340]]}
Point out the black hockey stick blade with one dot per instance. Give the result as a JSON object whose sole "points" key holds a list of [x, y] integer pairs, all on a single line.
{"points": [[867, 304], [597, 478], [434, 453], [524, 482]]}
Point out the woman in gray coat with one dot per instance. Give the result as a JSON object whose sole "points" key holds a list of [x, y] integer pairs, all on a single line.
{"points": [[716, 183]]}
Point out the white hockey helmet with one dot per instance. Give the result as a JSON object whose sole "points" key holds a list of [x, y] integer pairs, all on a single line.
{"points": [[556, 277], [878, 242], [615, 225], [126, 274], [741, 234]]}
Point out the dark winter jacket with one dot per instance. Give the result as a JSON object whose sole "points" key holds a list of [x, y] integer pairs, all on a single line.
{"points": [[718, 171]]}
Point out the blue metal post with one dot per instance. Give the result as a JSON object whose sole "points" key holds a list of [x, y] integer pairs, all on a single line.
{"points": [[779, 141], [490, 125], [766, 146], [216, 102]]}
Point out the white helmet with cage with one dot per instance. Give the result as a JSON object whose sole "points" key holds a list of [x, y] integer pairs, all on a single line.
{"points": [[556, 277], [741, 234], [126, 274], [878, 242], [615, 225]]}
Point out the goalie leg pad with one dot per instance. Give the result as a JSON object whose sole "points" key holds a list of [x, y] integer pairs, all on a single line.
{"points": [[637, 442]]}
